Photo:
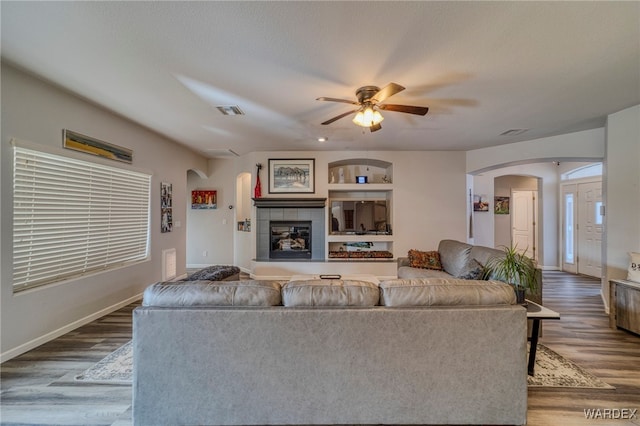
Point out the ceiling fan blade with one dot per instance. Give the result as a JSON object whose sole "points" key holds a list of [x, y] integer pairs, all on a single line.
{"points": [[417, 110], [346, 101], [387, 91], [338, 117]]}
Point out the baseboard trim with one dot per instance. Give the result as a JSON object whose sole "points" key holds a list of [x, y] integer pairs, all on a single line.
{"points": [[25, 347]]}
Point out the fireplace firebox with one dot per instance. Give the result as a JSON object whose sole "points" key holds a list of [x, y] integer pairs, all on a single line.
{"points": [[290, 240]]}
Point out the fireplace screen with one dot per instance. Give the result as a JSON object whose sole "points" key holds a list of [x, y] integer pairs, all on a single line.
{"points": [[290, 240]]}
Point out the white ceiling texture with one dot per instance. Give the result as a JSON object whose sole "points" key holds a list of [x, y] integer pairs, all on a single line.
{"points": [[483, 68]]}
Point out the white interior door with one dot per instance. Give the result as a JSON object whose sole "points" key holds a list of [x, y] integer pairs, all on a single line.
{"points": [[590, 229], [524, 218]]}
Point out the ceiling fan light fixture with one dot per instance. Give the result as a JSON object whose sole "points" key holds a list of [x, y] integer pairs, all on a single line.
{"points": [[368, 117]]}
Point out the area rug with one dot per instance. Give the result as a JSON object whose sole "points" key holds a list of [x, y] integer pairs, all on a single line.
{"points": [[115, 368], [552, 370]]}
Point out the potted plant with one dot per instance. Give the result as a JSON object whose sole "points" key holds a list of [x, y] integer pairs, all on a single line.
{"points": [[514, 268]]}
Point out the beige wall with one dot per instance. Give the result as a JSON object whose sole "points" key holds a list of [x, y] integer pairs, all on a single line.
{"points": [[622, 193], [35, 111]]}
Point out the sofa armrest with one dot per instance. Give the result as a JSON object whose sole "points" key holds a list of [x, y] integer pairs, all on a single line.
{"points": [[403, 261]]}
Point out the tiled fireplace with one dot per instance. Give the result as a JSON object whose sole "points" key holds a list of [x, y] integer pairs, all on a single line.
{"points": [[290, 229]]}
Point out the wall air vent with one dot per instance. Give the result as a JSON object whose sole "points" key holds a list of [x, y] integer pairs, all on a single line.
{"points": [[513, 132], [212, 152], [230, 110]]}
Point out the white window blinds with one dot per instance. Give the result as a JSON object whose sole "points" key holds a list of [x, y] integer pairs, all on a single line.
{"points": [[71, 217]]}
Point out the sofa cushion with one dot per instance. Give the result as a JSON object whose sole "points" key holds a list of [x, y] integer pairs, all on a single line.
{"points": [[213, 293], [484, 254], [454, 256], [425, 259], [330, 293], [409, 272], [445, 292]]}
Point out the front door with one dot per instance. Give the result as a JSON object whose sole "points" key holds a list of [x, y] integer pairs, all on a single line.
{"points": [[590, 229]]}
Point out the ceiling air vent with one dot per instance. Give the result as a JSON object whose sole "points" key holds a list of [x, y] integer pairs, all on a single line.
{"points": [[230, 110], [513, 132]]}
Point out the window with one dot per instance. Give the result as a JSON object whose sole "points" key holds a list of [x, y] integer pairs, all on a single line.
{"points": [[568, 228], [583, 172], [73, 217]]}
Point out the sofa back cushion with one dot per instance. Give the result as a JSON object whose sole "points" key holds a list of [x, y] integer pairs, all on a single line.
{"points": [[213, 293], [454, 256], [483, 254], [330, 293], [445, 292]]}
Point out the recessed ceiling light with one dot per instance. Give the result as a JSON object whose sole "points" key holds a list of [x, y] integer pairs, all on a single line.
{"points": [[323, 139]]}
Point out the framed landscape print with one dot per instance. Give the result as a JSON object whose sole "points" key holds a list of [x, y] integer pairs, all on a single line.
{"points": [[292, 176]]}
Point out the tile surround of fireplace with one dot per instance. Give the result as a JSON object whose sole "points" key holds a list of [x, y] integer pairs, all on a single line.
{"points": [[286, 210]]}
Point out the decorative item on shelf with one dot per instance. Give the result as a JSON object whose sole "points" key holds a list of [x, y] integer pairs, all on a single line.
{"points": [[386, 179], [340, 175], [257, 192], [166, 207], [362, 179], [204, 199], [515, 268]]}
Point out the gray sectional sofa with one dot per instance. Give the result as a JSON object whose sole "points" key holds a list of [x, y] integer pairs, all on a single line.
{"points": [[461, 259], [406, 351]]}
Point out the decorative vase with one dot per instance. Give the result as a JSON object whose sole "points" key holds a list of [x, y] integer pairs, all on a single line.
{"points": [[520, 296], [257, 191]]}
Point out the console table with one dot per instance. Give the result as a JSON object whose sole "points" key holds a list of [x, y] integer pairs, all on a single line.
{"points": [[537, 313], [624, 305]]}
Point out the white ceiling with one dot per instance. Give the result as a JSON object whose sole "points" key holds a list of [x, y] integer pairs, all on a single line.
{"points": [[481, 67]]}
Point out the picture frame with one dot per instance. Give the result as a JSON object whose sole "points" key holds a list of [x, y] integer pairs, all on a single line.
{"points": [[292, 176], [88, 145], [501, 205], [480, 203], [166, 207], [204, 199]]}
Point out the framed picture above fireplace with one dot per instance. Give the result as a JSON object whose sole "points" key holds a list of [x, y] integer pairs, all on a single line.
{"points": [[292, 176]]}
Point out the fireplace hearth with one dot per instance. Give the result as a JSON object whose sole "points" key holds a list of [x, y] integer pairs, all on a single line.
{"points": [[290, 240]]}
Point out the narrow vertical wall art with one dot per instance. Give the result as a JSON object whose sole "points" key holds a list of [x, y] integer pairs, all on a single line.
{"points": [[166, 206]]}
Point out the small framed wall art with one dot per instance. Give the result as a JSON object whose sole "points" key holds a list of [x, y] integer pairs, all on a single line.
{"points": [[166, 206], [204, 199], [501, 205], [292, 176]]}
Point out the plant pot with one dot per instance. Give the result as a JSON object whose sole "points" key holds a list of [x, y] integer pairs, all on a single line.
{"points": [[520, 296]]}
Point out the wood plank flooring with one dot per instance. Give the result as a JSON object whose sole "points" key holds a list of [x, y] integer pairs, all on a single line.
{"points": [[38, 388]]}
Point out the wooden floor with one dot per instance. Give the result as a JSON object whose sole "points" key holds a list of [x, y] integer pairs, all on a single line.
{"points": [[38, 387]]}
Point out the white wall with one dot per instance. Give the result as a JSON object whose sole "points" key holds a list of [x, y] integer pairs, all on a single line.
{"points": [[587, 145], [429, 197], [210, 232], [36, 111], [622, 194], [484, 222]]}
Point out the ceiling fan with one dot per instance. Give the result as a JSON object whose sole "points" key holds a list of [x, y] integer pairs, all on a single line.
{"points": [[370, 102]]}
